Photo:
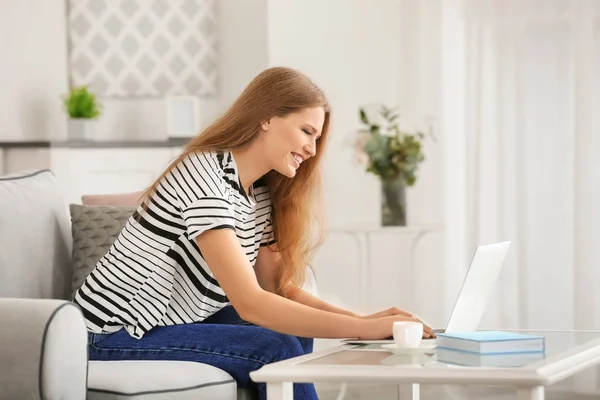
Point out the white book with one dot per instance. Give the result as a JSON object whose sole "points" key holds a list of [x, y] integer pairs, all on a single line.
{"points": [[491, 342]]}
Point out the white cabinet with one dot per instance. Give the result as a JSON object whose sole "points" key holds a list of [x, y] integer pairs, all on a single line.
{"points": [[377, 266], [104, 171], [94, 170]]}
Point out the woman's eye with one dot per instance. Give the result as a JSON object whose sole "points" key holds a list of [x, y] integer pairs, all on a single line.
{"points": [[309, 133]]}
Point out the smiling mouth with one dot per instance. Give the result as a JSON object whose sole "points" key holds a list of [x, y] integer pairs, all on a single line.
{"points": [[298, 158]]}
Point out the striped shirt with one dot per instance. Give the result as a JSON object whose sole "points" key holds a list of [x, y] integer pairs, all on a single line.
{"points": [[154, 274]]}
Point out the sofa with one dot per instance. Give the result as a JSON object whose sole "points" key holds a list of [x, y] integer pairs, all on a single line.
{"points": [[48, 247]]}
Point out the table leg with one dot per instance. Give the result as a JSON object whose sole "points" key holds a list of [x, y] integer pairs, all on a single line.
{"points": [[280, 391], [413, 269], [365, 264], [3, 167], [530, 393], [409, 392]]}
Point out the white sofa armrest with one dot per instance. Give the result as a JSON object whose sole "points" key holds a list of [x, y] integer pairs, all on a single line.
{"points": [[43, 350]]}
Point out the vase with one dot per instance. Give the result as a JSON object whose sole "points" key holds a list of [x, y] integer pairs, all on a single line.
{"points": [[393, 202], [81, 129]]}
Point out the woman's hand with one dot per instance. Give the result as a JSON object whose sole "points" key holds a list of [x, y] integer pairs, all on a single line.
{"points": [[382, 327], [394, 311]]}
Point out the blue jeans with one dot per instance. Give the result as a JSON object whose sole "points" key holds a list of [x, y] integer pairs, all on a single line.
{"points": [[223, 340]]}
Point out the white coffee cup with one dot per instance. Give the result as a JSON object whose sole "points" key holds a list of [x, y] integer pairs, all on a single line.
{"points": [[408, 333]]}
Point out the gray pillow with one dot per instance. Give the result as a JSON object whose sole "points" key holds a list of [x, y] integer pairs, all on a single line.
{"points": [[94, 230]]}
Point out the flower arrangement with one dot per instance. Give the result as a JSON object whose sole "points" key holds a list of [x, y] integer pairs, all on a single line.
{"points": [[386, 150], [393, 154]]}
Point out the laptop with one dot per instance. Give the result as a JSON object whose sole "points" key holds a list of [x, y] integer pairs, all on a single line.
{"points": [[474, 293]]}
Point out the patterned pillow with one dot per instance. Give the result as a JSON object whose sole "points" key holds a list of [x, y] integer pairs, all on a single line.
{"points": [[94, 230]]}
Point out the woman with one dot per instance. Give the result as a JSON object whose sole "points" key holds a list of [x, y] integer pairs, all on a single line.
{"points": [[215, 256]]}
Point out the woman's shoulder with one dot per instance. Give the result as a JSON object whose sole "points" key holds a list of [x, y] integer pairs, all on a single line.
{"points": [[208, 159], [207, 164], [203, 172]]}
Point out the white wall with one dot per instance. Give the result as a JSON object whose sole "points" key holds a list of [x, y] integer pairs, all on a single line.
{"points": [[453, 98], [243, 46], [420, 83], [33, 69]]}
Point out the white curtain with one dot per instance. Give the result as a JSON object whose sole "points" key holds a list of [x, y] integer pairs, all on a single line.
{"points": [[532, 93]]}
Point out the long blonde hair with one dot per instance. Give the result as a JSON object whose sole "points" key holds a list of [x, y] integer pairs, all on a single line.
{"points": [[297, 213]]}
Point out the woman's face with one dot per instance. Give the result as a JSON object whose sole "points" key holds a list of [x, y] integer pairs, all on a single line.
{"points": [[292, 139]]}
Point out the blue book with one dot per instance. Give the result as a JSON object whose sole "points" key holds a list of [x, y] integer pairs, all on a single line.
{"points": [[491, 342], [468, 359]]}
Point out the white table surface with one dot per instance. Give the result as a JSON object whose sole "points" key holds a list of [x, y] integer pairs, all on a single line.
{"points": [[567, 353]]}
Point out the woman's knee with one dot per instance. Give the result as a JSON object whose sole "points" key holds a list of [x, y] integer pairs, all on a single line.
{"points": [[307, 344], [284, 346]]}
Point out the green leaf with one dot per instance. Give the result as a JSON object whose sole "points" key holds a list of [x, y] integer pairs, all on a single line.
{"points": [[363, 116], [385, 112], [81, 103]]}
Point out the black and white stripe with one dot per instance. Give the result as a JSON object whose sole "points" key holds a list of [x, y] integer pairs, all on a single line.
{"points": [[154, 274]]}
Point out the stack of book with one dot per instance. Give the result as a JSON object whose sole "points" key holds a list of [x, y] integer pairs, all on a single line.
{"points": [[490, 348]]}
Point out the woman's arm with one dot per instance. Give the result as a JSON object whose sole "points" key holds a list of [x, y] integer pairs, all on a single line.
{"points": [[303, 297], [268, 262], [231, 268]]}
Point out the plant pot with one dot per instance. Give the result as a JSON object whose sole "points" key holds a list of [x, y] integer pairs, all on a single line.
{"points": [[81, 129], [393, 202]]}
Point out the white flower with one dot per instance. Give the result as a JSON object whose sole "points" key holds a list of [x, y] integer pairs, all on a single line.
{"points": [[362, 138], [386, 131], [361, 159]]}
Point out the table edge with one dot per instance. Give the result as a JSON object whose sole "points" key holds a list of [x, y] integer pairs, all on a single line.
{"points": [[546, 372]]}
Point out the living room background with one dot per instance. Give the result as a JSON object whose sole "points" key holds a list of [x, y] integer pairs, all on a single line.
{"points": [[440, 58]]}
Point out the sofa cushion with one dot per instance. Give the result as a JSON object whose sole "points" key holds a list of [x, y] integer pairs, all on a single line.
{"points": [[157, 380], [94, 229], [35, 261]]}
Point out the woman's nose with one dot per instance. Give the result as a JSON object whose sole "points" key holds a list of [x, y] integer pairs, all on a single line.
{"points": [[311, 149]]}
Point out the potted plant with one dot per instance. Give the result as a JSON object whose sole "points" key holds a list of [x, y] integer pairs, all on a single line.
{"points": [[83, 109], [391, 153]]}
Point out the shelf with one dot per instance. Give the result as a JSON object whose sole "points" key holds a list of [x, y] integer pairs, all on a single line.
{"points": [[370, 228], [95, 144]]}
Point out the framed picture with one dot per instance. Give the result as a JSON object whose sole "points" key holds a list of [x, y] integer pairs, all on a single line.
{"points": [[183, 116], [142, 48]]}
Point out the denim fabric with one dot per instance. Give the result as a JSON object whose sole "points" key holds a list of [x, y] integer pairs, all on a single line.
{"points": [[223, 340]]}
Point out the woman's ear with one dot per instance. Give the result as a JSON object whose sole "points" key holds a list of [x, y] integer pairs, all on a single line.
{"points": [[265, 125]]}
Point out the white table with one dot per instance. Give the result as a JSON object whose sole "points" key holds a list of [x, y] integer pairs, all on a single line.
{"points": [[567, 353]]}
